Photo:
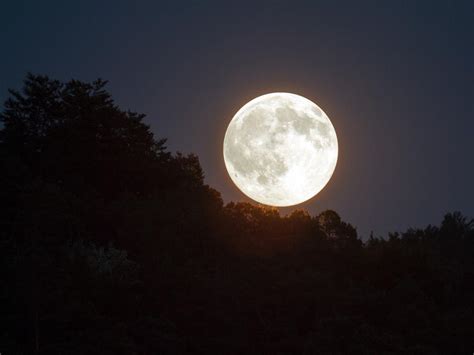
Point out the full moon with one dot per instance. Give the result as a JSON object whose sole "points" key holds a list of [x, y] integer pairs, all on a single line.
{"points": [[280, 149]]}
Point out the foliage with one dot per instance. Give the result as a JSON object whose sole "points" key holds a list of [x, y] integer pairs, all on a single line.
{"points": [[111, 244]]}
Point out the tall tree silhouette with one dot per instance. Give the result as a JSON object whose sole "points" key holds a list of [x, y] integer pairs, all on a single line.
{"points": [[74, 136]]}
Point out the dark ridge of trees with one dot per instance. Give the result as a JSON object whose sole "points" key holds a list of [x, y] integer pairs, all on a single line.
{"points": [[110, 244]]}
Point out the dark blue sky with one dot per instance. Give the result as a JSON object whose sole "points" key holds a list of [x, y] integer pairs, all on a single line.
{"points": [[395, 77]]}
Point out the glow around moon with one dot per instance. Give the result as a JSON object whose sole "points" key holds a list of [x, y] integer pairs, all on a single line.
{"points": [[280, 149]]}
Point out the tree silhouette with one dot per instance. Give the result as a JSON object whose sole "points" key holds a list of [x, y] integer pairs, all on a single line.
{"points": [[110, 244]]}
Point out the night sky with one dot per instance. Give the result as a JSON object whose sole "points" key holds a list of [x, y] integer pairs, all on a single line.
{"points": [[395, 77]]}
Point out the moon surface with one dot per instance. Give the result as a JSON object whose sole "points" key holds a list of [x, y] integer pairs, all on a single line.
{"points": [[280, 149]]}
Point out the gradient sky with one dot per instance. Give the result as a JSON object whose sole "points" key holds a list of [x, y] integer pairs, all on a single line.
{"points": [[395, 77]]}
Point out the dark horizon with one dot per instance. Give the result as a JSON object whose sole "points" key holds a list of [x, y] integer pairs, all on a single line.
{"points": [[110, 244], [395, 80]]}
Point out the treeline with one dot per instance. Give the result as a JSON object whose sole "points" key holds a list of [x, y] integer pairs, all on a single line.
{"points": [[110, 244]]}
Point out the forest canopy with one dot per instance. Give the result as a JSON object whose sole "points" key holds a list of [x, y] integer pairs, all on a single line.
{"points": [[109, 243]]}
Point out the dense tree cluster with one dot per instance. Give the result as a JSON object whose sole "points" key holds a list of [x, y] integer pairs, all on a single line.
{"points": [[109, 244]]}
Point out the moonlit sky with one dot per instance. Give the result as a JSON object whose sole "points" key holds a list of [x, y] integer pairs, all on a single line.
{"points": [[396, 79]]}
